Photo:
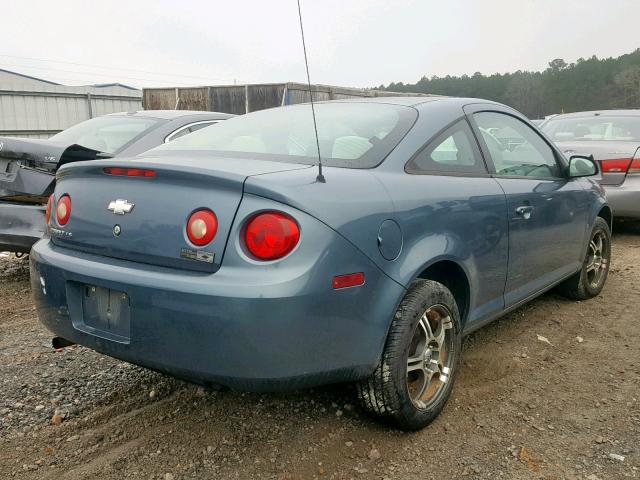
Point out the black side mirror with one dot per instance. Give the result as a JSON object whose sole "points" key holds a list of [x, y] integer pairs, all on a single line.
{"points": [[582, 166]]}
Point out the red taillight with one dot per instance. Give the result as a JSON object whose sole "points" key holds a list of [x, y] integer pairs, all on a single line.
{"points": [[47, 213], [635, 166], [129, 172], [271, 235], [349, 280], [202, 227], [63, 210], [615, 165]]}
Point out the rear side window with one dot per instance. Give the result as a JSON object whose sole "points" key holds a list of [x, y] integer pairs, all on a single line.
{"points": [[453, 151], [352, 135]]}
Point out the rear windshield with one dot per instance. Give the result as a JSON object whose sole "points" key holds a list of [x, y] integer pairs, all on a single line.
{"points": [[614, 128], [352, 135], [106, 134]]}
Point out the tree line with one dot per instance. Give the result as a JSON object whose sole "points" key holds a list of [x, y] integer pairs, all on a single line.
{"points": [[588, 84]]}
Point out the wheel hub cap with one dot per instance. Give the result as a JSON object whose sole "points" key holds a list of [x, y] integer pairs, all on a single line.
{"points": [[429, 358], [597, 259]]}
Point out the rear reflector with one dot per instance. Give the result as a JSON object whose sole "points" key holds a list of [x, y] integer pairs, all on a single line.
{"points": [[129, 172], [63, 210], [615, 165], [202, 227], [47, 213], [349, 280]]}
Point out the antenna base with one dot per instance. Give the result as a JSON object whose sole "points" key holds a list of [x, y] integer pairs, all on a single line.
{"points": [[320, 178]]}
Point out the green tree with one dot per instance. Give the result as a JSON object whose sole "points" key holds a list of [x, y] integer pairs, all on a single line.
{"points": [[588, 84]]}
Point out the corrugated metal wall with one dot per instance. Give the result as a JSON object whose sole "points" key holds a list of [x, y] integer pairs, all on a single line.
{"points": [[38, 109]]}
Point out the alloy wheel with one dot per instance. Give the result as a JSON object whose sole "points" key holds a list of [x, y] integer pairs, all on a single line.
{"points": [[597, 259], [429, 360]]}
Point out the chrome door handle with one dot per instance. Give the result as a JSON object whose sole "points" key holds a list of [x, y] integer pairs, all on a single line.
{"points": [[524, 211]]}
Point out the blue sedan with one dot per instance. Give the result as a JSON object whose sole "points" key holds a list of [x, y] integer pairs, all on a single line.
{"points": [[225, 258]]}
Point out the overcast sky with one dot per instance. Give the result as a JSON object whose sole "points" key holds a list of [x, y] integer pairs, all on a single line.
{"points": [[358, 43]]}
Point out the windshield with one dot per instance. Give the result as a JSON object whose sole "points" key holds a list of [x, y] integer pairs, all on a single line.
{"points": [[613, 128], [352, 135], [106, 134]]}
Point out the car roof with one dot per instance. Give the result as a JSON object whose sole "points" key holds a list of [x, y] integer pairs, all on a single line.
{"points": [[415, 101], [596, 113], [171, 114], [411, 101]]}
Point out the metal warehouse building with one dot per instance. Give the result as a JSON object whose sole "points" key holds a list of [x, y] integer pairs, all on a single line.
{"points": [[36, 108]]}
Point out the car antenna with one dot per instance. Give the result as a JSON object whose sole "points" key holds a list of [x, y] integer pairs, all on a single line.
{"points": [[320, 178]]}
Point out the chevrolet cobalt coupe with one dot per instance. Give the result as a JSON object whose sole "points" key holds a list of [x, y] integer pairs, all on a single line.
{"points": [[224, 257]]}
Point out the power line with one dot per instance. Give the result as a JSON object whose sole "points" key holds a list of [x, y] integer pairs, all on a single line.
{"points": [[113, 68], [94, 81]]}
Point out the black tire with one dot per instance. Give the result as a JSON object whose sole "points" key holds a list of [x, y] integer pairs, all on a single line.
{"points": [[582, 286], [386, 392]]}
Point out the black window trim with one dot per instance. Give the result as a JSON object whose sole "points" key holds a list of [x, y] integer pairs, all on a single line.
{"points": [[442, 173], [486, 152]]}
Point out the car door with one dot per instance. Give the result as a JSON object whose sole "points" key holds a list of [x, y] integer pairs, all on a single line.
{"points": [[547, 211], [452, 203]]}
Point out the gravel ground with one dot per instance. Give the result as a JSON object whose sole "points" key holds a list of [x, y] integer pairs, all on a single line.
{"points": [[522, 408]]}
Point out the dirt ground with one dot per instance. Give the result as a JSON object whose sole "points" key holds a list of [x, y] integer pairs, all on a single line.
{"points": [[522, 408]]}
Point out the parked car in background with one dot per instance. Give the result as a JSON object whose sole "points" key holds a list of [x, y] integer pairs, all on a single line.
{"points": [[28, 167], [227, 249], [613, 138]]}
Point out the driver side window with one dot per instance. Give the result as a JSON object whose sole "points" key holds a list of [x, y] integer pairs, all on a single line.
{"points": [[515, 148]]}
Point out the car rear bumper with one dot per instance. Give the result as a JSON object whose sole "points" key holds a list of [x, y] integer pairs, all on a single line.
{"points": [[625, 199], [290, 332], [20, 226]]}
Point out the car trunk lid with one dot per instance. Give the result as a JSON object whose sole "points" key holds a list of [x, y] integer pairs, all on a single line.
{"points": [[28, 166], [615, 158], [148, 216]]}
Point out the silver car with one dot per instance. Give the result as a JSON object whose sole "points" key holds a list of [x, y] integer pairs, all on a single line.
{"points": [[28, 166], [613, 138]]}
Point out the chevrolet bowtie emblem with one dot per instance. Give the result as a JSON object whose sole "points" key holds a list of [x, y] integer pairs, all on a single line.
{"points": [[120, 206]]}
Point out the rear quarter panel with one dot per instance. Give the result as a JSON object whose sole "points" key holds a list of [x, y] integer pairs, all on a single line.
{"points": [[352, 202], [461, 219]]}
